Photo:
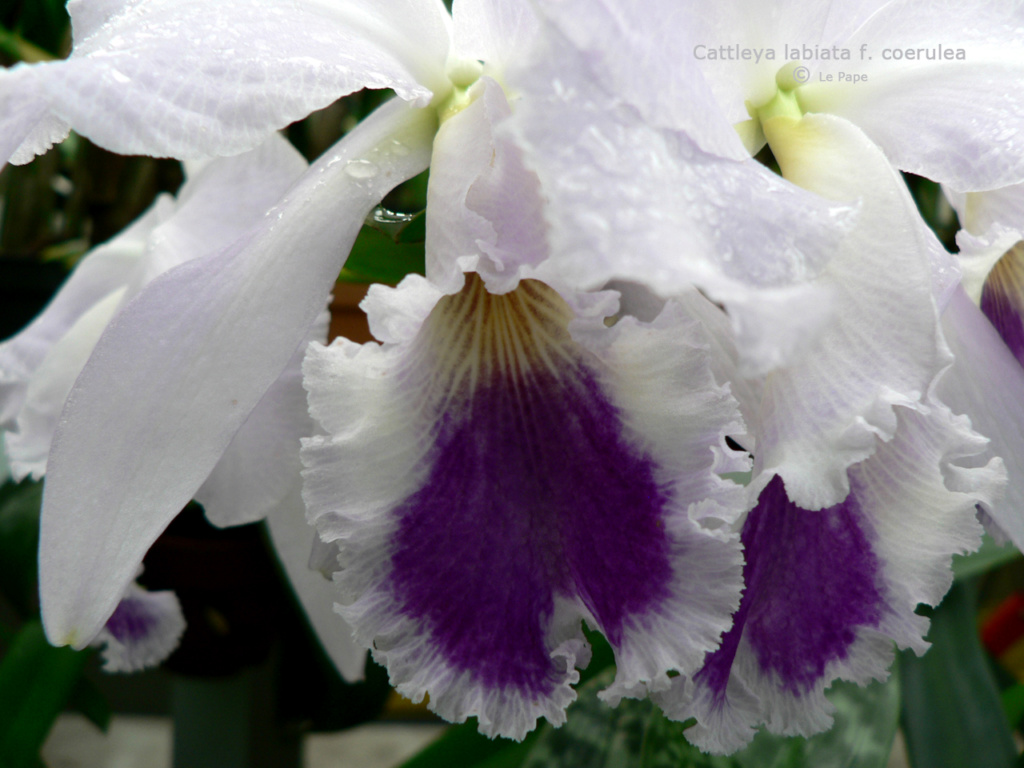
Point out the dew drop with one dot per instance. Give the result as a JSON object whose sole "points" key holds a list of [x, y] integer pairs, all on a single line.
{"points": [[361, 169]]}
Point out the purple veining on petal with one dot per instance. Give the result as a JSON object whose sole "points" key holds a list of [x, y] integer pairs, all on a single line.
{"points": [[532, 494], [1002, 300], [132, 620], [811, 581]]}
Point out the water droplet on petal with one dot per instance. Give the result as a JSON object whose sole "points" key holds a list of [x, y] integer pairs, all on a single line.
{"points": [[361, 169]]}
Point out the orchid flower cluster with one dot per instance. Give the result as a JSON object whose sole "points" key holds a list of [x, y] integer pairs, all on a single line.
{"points": [[737, 420]]}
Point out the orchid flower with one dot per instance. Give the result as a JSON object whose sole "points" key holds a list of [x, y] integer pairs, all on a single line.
{"points": [[991, 259], [258, 475], [825, 420], [142, 631], [843, 114], [789, 643], [199, 346], [506, 444]]}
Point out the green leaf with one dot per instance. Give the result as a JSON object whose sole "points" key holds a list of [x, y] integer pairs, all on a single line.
{"points": [[866, 720], [637, 735], [87, 700], [36, 681], [19, 542], [465, 747], [377, 258], [988, 556], [633, 735], [952, 715]]}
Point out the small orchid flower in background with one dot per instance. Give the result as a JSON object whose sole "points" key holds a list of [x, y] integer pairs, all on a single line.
{"points": [[142, 631], [258, 475]]}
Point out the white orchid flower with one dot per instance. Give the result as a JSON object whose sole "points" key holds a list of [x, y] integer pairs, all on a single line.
{"points": [[199, 347], [831, 413], [258, 475], [506, 466]]}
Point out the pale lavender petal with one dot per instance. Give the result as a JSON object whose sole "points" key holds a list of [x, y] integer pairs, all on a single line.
{"points": [[829, 591], [182, 366], [260, 466], [648, 59], [490, 482], [882, 347], [217, 204], [625, 200], [142, 631], [101, 273], [986, 382], [473, 222], [496, 32], [45, 392], [955, 119], [27, 128], [724, 29], [189, 78], [293, 539]]}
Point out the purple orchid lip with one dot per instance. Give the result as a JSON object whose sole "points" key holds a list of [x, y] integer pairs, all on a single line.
{"points": [[812, 580], [142, 631], [1002, 299], [532, 495], [133, 620], [493, 480]]}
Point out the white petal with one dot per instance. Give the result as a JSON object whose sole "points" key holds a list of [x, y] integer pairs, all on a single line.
{"points": [[101, 272], [262, 463], [48, 389], [293, 538], [882, 346], [484, 208], [180, 369], [987, 383], [188, 78], [649, 60], [631, 202], [27, 128], [213, 208], [496, 32], [979, 211], [143, 631], [957, 121]]}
